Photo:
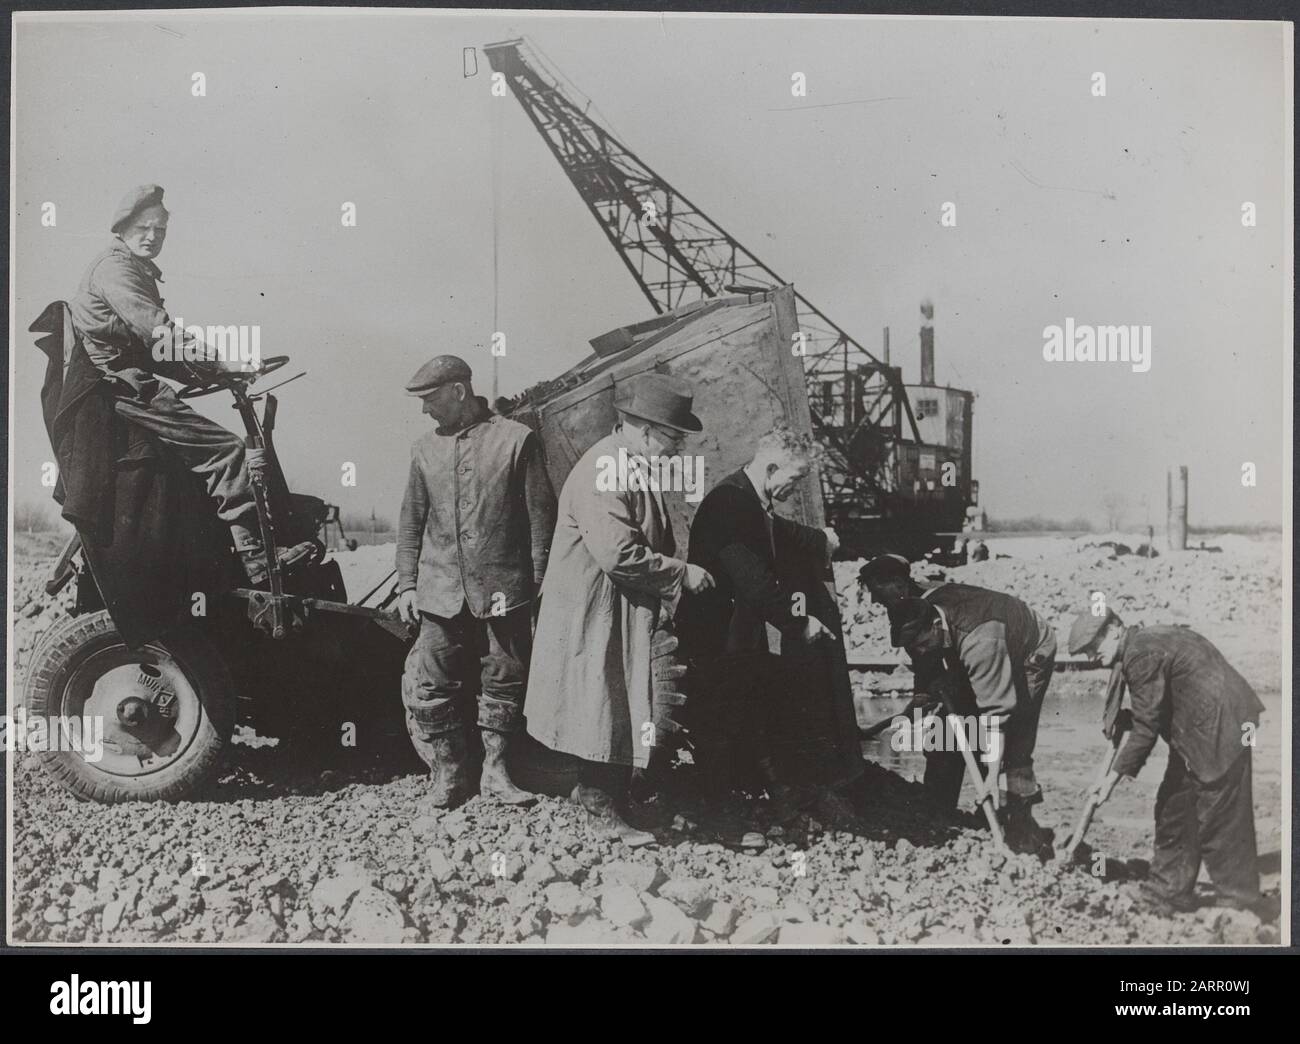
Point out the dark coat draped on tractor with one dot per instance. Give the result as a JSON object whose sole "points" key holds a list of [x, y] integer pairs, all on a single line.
{"points": [[149, 536]]}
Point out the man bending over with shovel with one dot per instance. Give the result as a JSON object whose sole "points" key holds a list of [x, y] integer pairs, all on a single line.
{"points": [[1183, 691], [995, 656]]}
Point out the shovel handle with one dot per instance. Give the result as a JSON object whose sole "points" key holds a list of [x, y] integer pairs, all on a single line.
{"points": [[1085, 819], [1076, 839], [987, 803]]}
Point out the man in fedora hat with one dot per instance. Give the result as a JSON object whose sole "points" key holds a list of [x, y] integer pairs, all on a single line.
{"points": [[613, 580], [1182, 690], [118, 312], [471, 553]]}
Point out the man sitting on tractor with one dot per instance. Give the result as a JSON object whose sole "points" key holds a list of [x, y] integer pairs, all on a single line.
{"points": [[118, 313]]}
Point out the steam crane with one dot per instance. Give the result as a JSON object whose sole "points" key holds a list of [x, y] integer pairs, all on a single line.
{"points": [[881, 486]]}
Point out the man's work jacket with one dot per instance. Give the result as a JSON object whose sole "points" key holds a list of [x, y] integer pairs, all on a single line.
{"points": [[477, 519], [1184, 691], [990, 637]]}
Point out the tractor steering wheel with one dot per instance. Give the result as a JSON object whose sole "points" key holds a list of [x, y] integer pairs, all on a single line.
{"points": [[227, 379]]}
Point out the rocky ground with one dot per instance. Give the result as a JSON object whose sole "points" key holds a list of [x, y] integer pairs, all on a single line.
{"points": [[279, 850]]}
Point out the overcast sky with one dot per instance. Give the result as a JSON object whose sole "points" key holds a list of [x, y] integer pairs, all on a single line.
{"points": [[1123, 209]]}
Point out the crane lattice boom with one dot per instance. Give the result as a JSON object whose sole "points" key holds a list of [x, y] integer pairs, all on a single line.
{"points": [[676, 253]]}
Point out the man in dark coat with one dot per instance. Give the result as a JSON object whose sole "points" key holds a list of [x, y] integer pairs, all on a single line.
{"points": [[739, 686], [1183, 691]]}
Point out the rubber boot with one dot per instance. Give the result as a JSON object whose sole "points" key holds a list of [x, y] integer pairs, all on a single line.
{"points": [[1021, 832], [1153, 901], [494, 780], [448, 754], [602, 812]]}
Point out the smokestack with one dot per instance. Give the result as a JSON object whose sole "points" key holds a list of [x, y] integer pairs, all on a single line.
{"points": [[1176, 497], [927, 343], [886, 357]]}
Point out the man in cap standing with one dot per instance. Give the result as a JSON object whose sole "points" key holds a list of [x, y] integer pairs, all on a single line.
{"points": [[1183, 691], [471, 553], [995, 655], [614, 579], [119, 314]]}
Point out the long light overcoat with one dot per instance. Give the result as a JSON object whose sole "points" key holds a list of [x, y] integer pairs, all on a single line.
{"points": [[610, 578]]}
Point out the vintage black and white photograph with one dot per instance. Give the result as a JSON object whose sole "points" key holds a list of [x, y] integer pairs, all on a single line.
{"points": [[627, 480]]}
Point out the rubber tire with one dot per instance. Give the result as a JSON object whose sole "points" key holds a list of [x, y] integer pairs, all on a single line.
{"points": [[70, 640]]}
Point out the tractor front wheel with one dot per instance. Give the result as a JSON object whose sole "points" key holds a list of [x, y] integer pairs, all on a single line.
{"points": [[153, 722]]}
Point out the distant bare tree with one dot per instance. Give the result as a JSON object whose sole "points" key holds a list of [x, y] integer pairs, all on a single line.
{"points": [[33, 518], [1113, 505]]}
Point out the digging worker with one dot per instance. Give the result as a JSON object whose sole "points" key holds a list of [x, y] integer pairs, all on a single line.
{"points": [[1183, 690], [888, 579], [995, 655], [612, 583], [119, 315], [472, 543], [737, 680]]}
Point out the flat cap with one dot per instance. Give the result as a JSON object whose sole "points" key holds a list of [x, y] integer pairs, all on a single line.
{"points": [[883, 568], [909, 619], [1086, 627], [135, 201], [440, 370]]}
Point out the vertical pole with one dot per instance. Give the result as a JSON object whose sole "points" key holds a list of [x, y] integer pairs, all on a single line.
{"points": [[496, 275], [927, 343], [1176, 526]]}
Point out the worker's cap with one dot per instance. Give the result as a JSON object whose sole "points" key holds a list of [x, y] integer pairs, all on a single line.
{"points": [[884, 568], [910, 619], [661, 399], [1086, 627], [440, 370], [135, 201]]}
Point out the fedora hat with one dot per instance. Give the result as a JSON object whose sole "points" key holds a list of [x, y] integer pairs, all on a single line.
{"points": [[661, 399]]}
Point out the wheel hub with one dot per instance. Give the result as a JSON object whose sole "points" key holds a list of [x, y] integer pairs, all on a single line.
{"points": [[134, 713], [149, 708]]}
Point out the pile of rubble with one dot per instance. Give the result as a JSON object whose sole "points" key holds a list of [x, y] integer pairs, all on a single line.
{"points": [[333, 861], [1237, 590], [277, 851], [34, 612]]}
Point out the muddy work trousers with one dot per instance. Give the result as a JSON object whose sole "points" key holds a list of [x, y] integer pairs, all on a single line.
{"points": [[208, 449], [440, 673], [944, 770], [1212, 823]]}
